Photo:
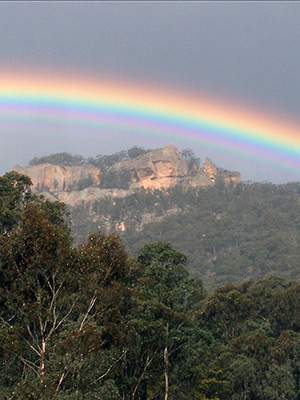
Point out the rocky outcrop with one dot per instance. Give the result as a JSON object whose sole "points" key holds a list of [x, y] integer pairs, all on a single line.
{"points": [[54, 179], [157, 169], [230, 177], [88, 195], [210, 169]]}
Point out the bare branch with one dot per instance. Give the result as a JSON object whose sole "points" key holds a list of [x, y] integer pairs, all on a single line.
{"points": [[148, 362], [54, 292], [91, 305], [112, 365], [5, 323], [30, 365], [177, 348], [55, 327], [34, 339], [33, 348], [61, 379], [41, 325]]}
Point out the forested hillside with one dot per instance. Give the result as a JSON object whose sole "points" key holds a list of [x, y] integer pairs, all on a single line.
{"points": [[89, 322], [229, 233]]}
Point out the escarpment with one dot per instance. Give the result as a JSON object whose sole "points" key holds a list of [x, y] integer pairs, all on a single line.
{"points": [[158, 169]]}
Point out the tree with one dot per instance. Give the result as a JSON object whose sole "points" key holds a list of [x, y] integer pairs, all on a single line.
{"points": [[160, 327], [14, 193], [35, 267], [62, 159], [192, 161], [61, 309], [135, 151], [165, 275]]}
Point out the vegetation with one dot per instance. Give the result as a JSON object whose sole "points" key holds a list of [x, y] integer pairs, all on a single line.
{"points": [[88, 322], [61, 159], [193, 162], [100, 161], [229, 234], [109, 178], [112, 179], [106, 161]]}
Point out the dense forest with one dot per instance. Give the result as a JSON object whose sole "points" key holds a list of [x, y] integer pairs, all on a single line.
{"points": [[229, 233], [90, 322]]}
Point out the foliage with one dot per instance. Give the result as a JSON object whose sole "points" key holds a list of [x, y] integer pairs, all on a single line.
{"points": [[88, 322], [14, 193], [105, 161], [229, 234], [84, 183], [193, 162], [62, 159], [112, 179], [100, 161]]}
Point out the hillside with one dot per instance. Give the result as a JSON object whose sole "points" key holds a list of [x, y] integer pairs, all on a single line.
{"points": [[229, 230], [229, 234]]}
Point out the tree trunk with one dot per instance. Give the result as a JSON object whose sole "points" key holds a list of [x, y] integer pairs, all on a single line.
{"points": [[42, 361], [166, 362]]}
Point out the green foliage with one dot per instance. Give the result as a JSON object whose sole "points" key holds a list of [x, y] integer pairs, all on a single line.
{"points": [[192, 161], [229, 235], [14, 193], [111, 179], [165, 275], [105, 161], [88, 322], [61, 308], [208, 384], [100, 161], [62, 159], [136, 151], [85, 183]]}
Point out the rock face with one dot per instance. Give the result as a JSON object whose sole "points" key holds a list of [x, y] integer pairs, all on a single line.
{"points": [[157, 169], [53, 178], [210, 169]]}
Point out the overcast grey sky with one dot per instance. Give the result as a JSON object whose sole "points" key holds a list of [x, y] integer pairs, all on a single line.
{"points": [[247, 51]]}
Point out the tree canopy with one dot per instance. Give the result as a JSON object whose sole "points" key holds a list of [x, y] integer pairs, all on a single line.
{"points": [[228, 233], [89, 322]]}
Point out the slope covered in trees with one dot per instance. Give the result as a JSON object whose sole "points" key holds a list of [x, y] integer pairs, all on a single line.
{"points": [[89, 322], [229, 234]]}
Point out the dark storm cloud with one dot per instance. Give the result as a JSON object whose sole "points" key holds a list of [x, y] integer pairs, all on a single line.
{"points": [[245, 50], [248, 49]]}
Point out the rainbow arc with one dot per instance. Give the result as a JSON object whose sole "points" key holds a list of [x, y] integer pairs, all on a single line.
{"points": [[147, 111]]}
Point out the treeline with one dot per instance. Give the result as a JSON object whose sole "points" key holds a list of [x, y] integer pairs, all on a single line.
{"points": [[100, 161], [89, 322], [229, 233]]}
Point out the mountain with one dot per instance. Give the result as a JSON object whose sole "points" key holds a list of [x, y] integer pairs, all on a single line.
{"points": [[157, 169], [231, 231]]}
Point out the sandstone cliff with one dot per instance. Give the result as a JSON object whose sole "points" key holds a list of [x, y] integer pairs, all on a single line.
{"points": [[157, 169], [53, 178]]}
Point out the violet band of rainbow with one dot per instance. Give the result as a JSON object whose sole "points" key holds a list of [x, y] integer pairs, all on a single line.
{"points": [[147, 112]]}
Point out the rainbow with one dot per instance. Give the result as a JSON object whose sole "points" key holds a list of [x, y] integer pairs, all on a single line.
{"points": [[144, 110]]}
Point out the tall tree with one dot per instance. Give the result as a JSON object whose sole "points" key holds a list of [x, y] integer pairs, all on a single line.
{"points": [[61, 309], [14, 193]]}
